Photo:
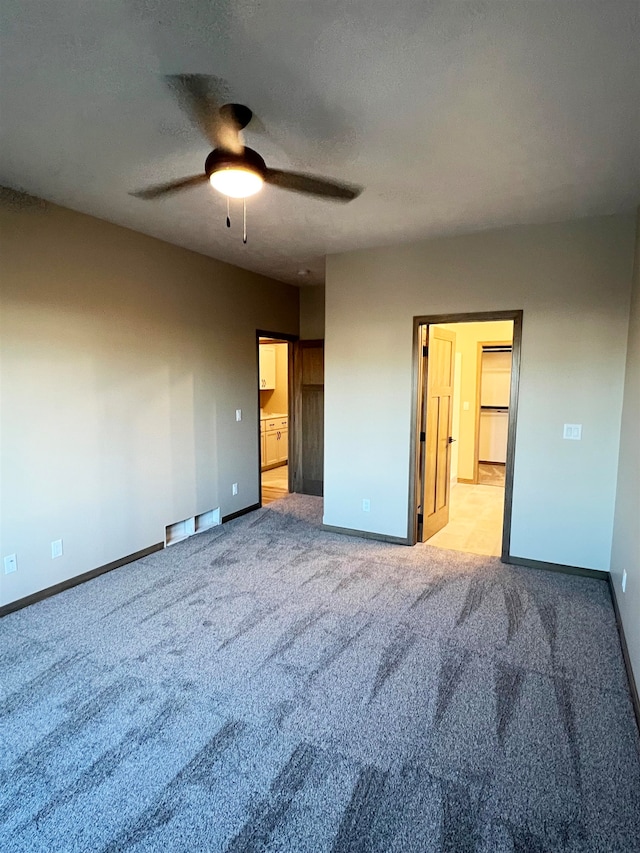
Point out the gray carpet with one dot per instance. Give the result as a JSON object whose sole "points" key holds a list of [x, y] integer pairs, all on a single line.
{"points": [[269, 686]]}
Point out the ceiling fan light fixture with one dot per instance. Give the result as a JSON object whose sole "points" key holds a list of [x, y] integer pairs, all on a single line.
{"points": [[235, 175], [236, 182]]}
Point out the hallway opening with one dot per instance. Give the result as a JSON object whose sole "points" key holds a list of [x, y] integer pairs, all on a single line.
{"points": [[274, 359]]}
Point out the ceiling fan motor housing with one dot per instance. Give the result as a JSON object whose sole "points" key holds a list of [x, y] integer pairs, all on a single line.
{"points": [[249, 159]]}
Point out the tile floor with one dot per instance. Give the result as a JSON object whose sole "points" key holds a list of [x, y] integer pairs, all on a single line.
{"points": [[275, 484], [475, 520], [491, 473]]}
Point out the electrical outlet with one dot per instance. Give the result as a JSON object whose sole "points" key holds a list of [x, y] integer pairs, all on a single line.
{"points": [[10, 564], [624, 580], [56, 549], [366, 505], [238, 414], [234, 489]]}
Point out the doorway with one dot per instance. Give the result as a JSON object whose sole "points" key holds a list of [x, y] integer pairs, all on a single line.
{"points": [[275, 353], [466, 373]]}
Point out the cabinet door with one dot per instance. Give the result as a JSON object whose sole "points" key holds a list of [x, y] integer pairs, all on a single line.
{"points": [[267, 367], [494, 428], [271, 448], [283, 445]]}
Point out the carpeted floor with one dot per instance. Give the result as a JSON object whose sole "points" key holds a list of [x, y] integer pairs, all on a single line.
{"points": [[269, 686]]}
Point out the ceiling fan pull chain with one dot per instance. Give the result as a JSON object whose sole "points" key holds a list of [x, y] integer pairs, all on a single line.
{"points": [[244, 224], [228, 217]]}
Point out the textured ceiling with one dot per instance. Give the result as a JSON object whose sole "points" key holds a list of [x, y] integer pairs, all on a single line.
{"points": [[454, 116]]}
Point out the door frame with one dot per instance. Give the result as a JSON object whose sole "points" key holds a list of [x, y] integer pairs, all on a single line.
{"points": [[414, 479], [285, 338]]}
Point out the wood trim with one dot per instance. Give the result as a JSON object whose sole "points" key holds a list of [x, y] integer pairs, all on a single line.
{"points": [[597, 574], [78, 579], [414, 478], [516, 349], [295, 409], [365, 534], [273, 465], [633, 687], [472, 317], [468, 317], [240, 512], [293, 417], [465, 480], [276, 337], [476, 425]]}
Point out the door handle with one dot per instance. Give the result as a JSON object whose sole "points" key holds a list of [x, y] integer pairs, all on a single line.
{"points": [[451, 440]]}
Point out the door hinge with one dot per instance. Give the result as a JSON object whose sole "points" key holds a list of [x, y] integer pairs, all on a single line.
{"points": [[423, 436], [425, 351]]}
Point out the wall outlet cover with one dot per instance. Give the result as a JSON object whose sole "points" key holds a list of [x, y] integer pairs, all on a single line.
{"points": [[572, 432], [366, 505], [234, 489]]}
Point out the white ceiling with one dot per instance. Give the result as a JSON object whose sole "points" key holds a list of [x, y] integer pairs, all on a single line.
{"points": [[454, 116]]}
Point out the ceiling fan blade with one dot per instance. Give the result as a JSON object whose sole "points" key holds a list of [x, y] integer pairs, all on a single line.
{"points": [[198, 95], [170, 187], [300, 182]]}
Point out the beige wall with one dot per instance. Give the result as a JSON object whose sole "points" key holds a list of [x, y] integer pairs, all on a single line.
{"points": [[468, 336], [123, 361], [276, 401], [625, 553], [572, 282], [312, 312]]}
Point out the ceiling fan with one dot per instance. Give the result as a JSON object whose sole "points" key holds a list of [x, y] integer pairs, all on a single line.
{"points": [[233, 169]]}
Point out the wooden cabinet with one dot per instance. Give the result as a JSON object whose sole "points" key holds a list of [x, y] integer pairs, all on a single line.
{"points": [[274, 442], [267, 367]]}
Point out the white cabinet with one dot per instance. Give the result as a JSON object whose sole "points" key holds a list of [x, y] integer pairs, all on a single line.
{"points": [[274, 441], [494, 428], [495, 385], [271, 444], [283, 445], [267, 367]]}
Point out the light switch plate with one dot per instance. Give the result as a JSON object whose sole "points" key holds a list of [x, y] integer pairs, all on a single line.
{"points": [[572, 432], [10, 564], [238, 414], [56, 549]]}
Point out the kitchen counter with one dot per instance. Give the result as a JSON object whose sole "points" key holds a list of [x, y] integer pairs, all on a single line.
{"points": [[267, 417]]}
